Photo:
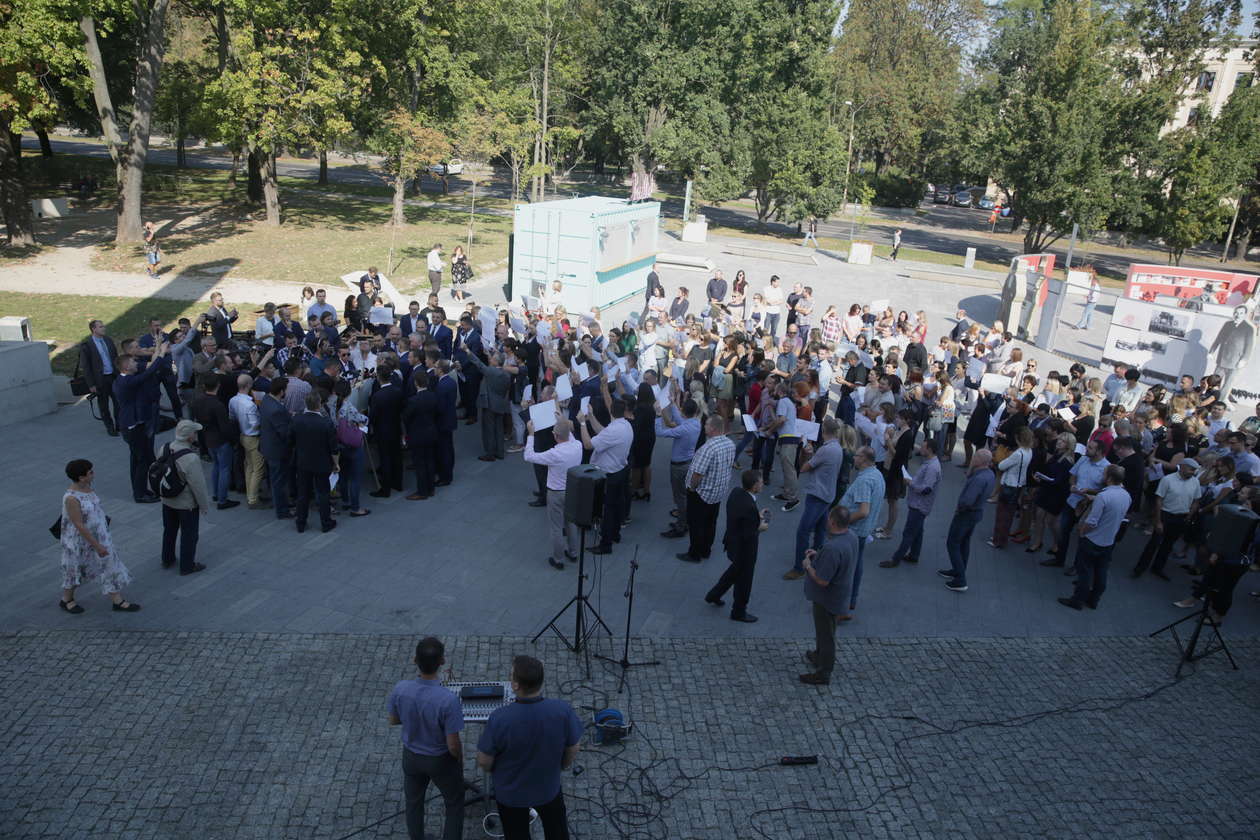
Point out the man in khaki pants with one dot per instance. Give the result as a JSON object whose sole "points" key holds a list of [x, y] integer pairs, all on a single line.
{"points": [[244, 411]]}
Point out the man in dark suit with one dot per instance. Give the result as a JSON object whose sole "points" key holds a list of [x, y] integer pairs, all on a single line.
{"points": [[420, 416], [220, 319], [467, 346], [133, 420], [413, 321], [276, 443], [314, 443], [440, 333], [385, 425], [217, 436], [744, 523], [447, 394], [98, 359]]}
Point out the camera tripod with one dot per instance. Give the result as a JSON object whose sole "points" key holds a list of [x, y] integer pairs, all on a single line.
{"points": [[1190, 650], [583, 628], [624, 661]]}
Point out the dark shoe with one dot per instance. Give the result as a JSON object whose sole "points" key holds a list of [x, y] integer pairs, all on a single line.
{"points": [[791, 506], [1052, 562], [1069, 602], [113, 432], [554, 564], [1093, 605], [197, 567], [325, 529], [911, 559], [228, 504], [1160, 575], [948, 574], [126, 606], [793, 574], [258, 505], [955, 586], [673, 534], [416, 497], [686, 556], [383, 493], [301, 527], [360, 512], [782, 497], [890, 563], [285, 515], [485, 457], [814, 678], [746, 618], [441, 484], [75, 610], [538, 503], [717, 602], [148, 500], [811, 658], [166, 564], [599, 549]]}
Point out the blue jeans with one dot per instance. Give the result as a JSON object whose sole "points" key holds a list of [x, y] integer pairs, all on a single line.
{"points": [[1091, 571], [351, 476], [1083, 324], [958, 543], [857, 573], [749, 437], [221, 475], [772, 325], [765, 457], [809, 532], [911, 536]]}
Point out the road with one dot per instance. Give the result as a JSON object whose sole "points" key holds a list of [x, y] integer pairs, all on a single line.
{"points": [[943, 229]]}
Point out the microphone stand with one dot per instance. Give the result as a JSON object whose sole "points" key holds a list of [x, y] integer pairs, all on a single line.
{"points": [[624, 661]]}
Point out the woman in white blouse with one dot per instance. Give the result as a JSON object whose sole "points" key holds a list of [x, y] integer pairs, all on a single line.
{"points": [[1012, 476]]}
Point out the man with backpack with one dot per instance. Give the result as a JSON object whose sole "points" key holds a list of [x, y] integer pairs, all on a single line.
{"points": [[176, 477]]}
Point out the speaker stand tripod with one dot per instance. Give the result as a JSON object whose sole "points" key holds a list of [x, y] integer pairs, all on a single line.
{"points": [[583, 628], [1189, 652], [624, 661]]}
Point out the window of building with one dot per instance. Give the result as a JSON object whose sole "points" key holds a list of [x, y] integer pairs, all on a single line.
{"points": [[1207, 81], [1243, 80], [1193, 117]]}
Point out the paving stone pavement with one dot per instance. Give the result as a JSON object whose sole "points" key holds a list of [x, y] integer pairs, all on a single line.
{"points": [[257, 735]]}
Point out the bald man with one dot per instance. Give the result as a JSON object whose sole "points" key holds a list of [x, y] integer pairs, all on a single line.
{"points": [[967, 516], [244, 411]]}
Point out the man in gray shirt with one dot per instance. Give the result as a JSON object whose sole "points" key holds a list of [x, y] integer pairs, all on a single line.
{"points": [[1098, 532], [829, 578], [967, 516], [818, 484]]}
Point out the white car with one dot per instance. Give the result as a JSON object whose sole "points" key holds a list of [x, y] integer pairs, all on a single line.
{"points": [[454, 166]]}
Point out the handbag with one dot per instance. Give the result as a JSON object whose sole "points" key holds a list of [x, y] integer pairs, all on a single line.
{"points": [[349, 434], [718, 377], [1001, 453], [55, 528], [935, 422], [78, 383]]}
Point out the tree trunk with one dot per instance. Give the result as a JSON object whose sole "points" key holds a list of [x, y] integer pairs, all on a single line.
{"points": [[45, 145], [763, 204], [271, 189], [15, 206], [253, 184], [472, 209], [399, 217], [1243, 240], [323, 166], [100, 89], [236, 162], [15, 141], [181, 160], [222, 38]]}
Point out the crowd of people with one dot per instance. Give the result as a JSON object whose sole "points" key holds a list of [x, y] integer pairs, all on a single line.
{"points": [[855, 409]]}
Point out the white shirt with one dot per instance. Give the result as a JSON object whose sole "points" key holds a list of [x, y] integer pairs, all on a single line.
{"points": [[435, 260], [773, 296], [244, 411], [361, 362], [610, 449], [557, 460], [1178, 493], [264, 330], [1014, 468]]}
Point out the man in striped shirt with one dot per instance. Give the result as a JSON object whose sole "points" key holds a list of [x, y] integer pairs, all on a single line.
{"points": [[708, 483]]}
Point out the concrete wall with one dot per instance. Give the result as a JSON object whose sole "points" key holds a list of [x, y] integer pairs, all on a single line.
{"points": [[26, 381]]}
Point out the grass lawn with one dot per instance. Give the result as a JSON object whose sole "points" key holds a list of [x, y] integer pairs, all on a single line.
{"points": [[64, 318]]}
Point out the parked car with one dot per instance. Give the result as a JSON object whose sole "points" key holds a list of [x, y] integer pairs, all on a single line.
{"points": [[454, 166], [941, 196], [986, 203], [962, 198]]}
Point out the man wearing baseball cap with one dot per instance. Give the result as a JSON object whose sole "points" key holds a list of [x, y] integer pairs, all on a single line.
{"points": [[180, 513], [1176, 502]]}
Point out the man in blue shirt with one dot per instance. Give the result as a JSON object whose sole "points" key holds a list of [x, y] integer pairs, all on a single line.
{"points": [[1098, 533], [320, 307], [864, 500], [683, 430], [967, 516], [431, 718], [527, 744]]}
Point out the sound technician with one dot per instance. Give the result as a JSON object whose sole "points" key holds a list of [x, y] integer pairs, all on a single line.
{"points": [[526, 745]]}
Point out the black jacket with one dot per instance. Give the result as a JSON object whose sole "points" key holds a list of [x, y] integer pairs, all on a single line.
{"points": [[420, 416], [385, 413], [90, 362], [743, 524], [212, 414], [314, 441]]}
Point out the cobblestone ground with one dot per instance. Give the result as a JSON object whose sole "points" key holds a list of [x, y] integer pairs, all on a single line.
{"points": [[220, 735]]}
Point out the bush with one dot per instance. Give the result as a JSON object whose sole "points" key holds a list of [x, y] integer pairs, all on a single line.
{"points": [[894, 188]]}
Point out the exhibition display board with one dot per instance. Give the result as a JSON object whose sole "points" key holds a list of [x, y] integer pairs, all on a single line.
{"points": [[1173, 321]]}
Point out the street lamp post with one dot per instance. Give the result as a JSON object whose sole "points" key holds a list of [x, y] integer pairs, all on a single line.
{"points": [[848, 160]]}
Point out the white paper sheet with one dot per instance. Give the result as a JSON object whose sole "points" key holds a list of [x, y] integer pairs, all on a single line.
{"points": [[1066, 414], [543, 415], [750, 423], [584, 406], [905, 473], [564, 387], [332, 481], [527, 395], [807, 429], [995, 383], [518, 326]]}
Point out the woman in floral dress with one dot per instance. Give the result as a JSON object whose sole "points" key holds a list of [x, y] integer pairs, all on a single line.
{"points": [[87, 552]]}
